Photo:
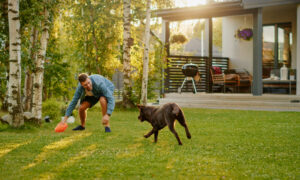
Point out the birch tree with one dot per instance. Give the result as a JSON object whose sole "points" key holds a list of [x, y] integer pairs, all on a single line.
{"points": [[28, 74], [38, 74], [127, 43], [146, 55], [14, 88]]}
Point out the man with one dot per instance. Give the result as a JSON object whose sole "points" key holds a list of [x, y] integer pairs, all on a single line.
{"points": [[92, 89]]}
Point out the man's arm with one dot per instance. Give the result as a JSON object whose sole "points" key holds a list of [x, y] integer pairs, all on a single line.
{"points": [[74, 101], [110, 99]]}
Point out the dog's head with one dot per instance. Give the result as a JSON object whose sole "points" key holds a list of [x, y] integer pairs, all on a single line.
{"points": [[145, 113]]}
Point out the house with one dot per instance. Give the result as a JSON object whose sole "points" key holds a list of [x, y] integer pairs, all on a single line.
{"points": [[275, 25]]}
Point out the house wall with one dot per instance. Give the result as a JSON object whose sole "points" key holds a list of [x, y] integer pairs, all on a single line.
{"points": [[240, 52]]}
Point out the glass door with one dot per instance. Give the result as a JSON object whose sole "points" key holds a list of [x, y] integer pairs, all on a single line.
{"points": [[277, 41]]}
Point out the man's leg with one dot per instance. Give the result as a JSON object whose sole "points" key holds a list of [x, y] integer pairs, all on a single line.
{"points": [[103, 103], [82, 112]]}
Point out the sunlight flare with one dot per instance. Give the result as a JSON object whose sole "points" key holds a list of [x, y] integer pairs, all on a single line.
{"points": [[9, 147], [189, 3], [54, 147], [132, 150], [88, 151]]}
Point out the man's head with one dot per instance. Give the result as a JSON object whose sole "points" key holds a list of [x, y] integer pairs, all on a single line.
{"points": [[85, 81]]}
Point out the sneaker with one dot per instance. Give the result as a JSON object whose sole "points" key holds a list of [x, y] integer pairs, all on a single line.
{"points": [[79, 128], [107, 129]]}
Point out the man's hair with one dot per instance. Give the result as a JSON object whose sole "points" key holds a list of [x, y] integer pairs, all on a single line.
{"points": [[82, 77]]}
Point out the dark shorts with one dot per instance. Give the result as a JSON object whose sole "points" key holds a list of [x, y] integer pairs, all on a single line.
{"points": [[91, 99]]}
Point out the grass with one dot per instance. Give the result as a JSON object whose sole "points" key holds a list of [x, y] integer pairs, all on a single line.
{"points": [[225, 144]]}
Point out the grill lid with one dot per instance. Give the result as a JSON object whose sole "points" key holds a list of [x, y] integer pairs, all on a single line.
{"points": [[189, 69]]}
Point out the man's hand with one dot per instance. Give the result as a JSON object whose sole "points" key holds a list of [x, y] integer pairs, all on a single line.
{"points": [[105, 120], [64, 120]]}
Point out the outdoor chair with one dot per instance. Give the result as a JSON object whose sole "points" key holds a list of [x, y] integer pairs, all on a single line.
{"points": [[223, 81]]}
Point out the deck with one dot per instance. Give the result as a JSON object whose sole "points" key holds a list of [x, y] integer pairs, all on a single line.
{"points": [[266, 102]]}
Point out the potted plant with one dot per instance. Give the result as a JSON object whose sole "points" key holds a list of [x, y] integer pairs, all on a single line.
{"points": [[244, 34]]}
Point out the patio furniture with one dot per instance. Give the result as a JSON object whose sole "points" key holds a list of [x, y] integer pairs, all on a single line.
{"points": [[277, 86], [274, 84], [224, 81], [244, 78]]}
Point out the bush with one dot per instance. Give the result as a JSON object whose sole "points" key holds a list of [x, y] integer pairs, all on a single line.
{"points": [[52, 108]]}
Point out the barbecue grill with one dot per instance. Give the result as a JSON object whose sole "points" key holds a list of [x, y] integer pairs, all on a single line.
{"points": [[189, 70]]}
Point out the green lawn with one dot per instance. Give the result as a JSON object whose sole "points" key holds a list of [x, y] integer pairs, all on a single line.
{"points": [[225, 144]]}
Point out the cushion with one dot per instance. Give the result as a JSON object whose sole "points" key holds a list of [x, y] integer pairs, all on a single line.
{"points": [[217, 70]]}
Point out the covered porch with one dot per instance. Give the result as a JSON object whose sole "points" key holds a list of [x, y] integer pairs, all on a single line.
{"points": [[236, 54]]}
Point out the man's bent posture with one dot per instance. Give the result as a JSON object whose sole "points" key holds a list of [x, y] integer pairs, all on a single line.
{"points": [[90, 90]]}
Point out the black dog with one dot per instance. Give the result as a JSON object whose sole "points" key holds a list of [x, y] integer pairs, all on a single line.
{"points": [[162, 116]]}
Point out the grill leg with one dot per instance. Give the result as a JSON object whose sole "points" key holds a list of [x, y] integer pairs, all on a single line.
{"points": [[179, 89], [183, 83], [195, 90]]}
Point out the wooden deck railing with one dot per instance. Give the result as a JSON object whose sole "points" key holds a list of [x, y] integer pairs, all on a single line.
{"points": [[174, 76]]}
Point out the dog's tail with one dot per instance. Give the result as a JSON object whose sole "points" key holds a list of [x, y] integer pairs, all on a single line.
{"points": [[181, 119]]}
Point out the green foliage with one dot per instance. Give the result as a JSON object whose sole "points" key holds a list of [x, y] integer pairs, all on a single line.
{"points": [[178, 38], [3, 82], [94, 31], [156, 64], [225, 144], [4, 51], [52, 108], [59, 85], [217, 33], [84, 36]]}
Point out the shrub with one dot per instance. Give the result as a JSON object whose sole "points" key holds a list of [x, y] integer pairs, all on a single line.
{"points": [[52, 108]]}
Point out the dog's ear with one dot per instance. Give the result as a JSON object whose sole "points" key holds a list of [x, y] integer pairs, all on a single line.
{"points": [[176, 110], [139, 106]]}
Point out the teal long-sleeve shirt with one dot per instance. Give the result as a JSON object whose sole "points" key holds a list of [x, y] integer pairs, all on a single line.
{"points": [[100, 86]]}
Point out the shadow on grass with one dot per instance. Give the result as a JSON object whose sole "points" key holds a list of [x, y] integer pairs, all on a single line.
{"points": [[27, 127]]}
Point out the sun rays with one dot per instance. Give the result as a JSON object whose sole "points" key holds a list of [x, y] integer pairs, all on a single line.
{"points": [[54, 147], [73, 160], [9, 147]]}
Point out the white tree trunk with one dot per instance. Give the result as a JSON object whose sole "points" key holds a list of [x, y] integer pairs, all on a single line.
{"points": [[127, 43], [38, 77], [28, 74], [14, 88], [146, 55]]}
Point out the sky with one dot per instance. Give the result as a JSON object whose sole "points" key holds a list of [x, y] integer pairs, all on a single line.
{"points": [[185, 3]]}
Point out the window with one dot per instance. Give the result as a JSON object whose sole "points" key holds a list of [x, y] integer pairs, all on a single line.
{"points": [[277, 41]]}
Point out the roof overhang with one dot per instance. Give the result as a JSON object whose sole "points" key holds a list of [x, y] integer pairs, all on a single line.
{"points": [[247, 4], [203, 11]]}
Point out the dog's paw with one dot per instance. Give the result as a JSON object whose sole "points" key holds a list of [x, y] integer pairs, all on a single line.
{"points": [[145, 136]]}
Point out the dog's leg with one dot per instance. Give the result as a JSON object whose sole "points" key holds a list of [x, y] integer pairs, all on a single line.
{"points": [[149, 133], [181, 120], [155, 136], [171, 127]]}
